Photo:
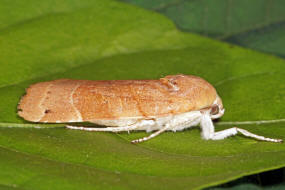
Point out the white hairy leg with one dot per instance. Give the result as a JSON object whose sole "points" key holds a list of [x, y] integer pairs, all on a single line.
{"points": [[174, 124], [208, 131], [105, 129], [118, 129], [164, 128]]}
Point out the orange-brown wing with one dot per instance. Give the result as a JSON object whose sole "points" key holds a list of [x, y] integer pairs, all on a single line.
{"points": [[49, 102], [81, 100]]}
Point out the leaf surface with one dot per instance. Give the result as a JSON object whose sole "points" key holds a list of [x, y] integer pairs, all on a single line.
{"points": [[257, 24], [40, 40], [52, 157]]}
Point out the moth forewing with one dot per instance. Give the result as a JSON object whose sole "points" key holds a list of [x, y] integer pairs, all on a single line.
{"points": [[172, 103]]}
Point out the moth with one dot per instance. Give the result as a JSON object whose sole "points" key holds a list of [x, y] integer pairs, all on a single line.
{"points": [[172, 103]]}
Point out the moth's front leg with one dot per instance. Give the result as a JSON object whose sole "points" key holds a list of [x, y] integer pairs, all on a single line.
{"points": [[208, 131], [161, 130], [175, 123]]}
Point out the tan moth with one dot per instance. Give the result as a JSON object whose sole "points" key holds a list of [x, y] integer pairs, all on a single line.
{"points": [[172, 103]]}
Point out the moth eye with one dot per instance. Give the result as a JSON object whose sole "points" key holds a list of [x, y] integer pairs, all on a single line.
{"points": [[215, 110]]}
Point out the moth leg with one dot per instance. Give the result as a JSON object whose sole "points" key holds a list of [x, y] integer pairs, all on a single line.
{"points": [[152, 135], [106, 129], [208, 131]]}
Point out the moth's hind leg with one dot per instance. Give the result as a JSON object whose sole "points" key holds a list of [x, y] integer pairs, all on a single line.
{"points": [[105, 129], [208, 131]]}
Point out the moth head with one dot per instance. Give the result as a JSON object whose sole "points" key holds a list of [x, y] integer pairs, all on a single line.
{"points": [[217, 109]]}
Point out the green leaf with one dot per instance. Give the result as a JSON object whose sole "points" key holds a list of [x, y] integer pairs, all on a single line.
{"points": [[52, 157], [270, 39], [257, 24], [44, 39]]}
